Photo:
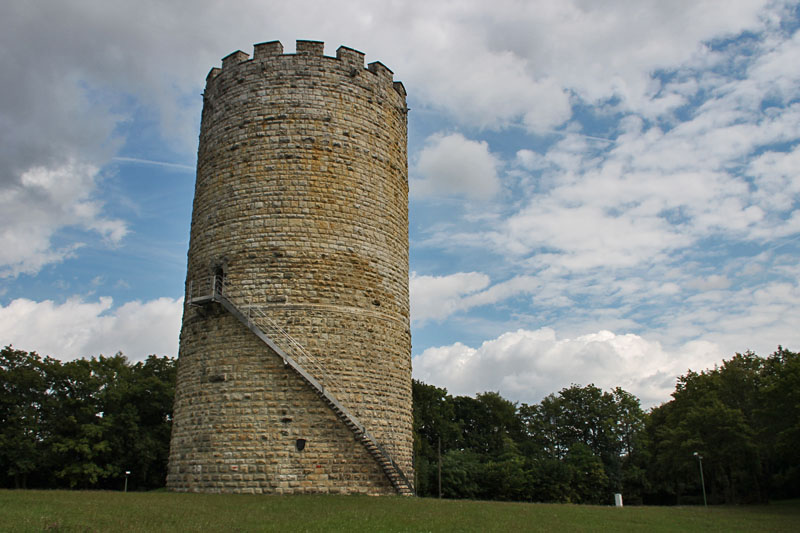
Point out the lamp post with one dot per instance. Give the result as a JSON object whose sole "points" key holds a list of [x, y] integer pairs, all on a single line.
{"points": [[440, 467], [127, 473], [702, 480]]}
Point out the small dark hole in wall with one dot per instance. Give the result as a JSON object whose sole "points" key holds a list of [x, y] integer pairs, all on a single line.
{"points": [[300, 444], [219, 280]]}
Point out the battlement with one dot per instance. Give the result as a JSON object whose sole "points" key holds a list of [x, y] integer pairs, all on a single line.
{"points": [[311, 48], [349, 57], [380, 69], [234, 59], [272, 48]]}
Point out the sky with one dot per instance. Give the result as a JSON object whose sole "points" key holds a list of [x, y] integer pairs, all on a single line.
{"points": [[601, 192]]}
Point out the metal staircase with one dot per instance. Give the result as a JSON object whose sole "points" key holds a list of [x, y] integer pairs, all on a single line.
{"points": [[298, 359]]}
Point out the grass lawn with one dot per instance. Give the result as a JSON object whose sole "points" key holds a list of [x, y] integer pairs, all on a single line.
{"points": [[162, 511]]}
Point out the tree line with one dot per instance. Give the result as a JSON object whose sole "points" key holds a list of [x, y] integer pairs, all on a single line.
{"points": [[582, 444], [84, 423]]}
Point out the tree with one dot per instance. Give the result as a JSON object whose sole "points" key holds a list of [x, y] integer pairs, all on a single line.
{"points": [[577, 419], [779, 430], [588, 479], [462, 475], [434, 423], [85, 422], [80, 447], [145, 419], [486, 421], [506, 476], [23, 388], [479, 442], [743, 417]]}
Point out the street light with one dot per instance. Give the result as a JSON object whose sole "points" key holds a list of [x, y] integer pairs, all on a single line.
{"points": [[702, 480], [128, 472]]}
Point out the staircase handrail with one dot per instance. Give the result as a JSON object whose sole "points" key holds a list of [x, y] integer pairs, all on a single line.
{"points": [[217, 291], [289, 345]]}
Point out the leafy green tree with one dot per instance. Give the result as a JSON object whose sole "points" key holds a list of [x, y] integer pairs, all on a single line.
{"points": [[23, 389], [780, 428], [83, 423], [742, 417], [486, 421], [462, 475], [152, 392], [505, 476], [634, 456], [607, 424], [588, 479], [478, 442], [80, 447], [434, 424]]}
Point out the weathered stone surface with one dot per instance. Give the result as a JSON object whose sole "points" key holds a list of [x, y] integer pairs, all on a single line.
{"points": [[302, 200]]}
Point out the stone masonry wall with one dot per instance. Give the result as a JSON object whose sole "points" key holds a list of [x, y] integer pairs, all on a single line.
{"points": [[302, 200]]}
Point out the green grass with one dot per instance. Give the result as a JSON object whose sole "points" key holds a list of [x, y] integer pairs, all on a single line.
{"points": [[160, 511]]}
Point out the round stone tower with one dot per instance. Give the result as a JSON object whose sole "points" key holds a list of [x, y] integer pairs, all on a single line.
{"points": [[294, 371]]}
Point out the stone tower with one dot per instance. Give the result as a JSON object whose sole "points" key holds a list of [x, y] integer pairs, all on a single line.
{"points": [[294, 371]]}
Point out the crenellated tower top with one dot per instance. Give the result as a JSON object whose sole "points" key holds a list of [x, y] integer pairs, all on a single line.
{"points": [[348, 58]]}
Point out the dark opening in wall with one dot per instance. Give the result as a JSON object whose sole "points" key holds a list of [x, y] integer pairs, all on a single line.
{"points": [[300, 444], [219, 280]]}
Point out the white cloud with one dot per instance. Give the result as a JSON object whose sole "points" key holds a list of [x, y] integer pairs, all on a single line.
{"points": [[530, 160], [452, 165], [527, 365], [734, 309], [658, 189], [494, 64], [738, 318], [44, 201], [588, 236], [499, 292], [77, 328], [778, 186], [610, 49], [437, 297], [712, 282]]}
